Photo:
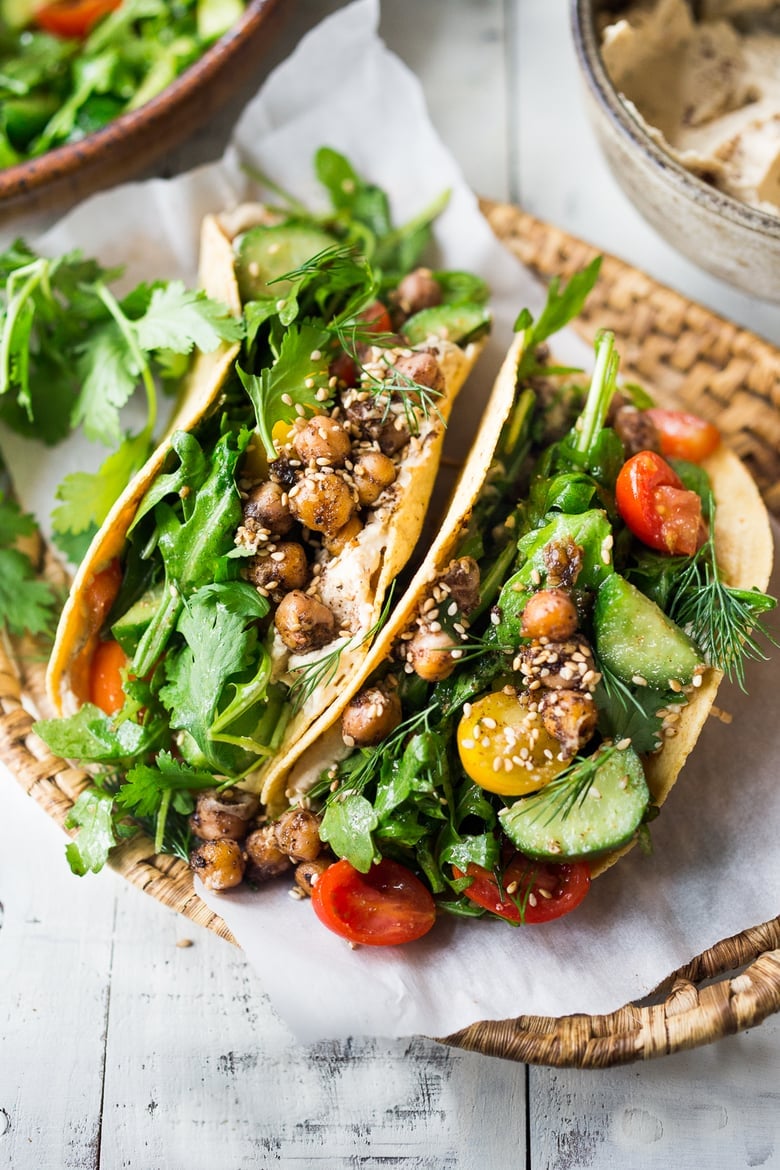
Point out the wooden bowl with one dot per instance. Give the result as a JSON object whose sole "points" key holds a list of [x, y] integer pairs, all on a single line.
{"points": [[132, 141], [738, 243]]}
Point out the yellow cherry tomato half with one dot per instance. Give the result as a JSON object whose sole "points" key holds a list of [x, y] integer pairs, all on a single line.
{"points": [[282, 433], [504, 746]]}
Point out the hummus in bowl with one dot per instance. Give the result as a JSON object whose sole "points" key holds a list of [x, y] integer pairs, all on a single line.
{"points": [[708, 90], [689, 129]]}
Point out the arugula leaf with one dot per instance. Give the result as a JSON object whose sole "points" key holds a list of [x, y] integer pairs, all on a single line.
{"points": [[347, 826], [631, 712], [560, 309], [296, 376], [93, 815], [364, 202]]}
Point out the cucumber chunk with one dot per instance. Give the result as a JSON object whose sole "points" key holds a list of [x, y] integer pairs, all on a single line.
{"points": [[457, 323], [604, 818], [635, 637], [129, 628], [263, 254]]}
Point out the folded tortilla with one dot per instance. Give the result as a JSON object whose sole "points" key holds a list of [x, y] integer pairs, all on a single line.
{"points": [[744, 551], [353, 583]]}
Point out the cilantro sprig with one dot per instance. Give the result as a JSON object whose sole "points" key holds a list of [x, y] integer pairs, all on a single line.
{"points": [[26, 604]]}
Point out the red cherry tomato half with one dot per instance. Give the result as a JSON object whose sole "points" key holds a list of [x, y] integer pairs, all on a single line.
{"points": [[105, 680], [73, 18], [662, 513], [531, 891], [345, 369], [684, 436], [386, 906], [376, 319]]}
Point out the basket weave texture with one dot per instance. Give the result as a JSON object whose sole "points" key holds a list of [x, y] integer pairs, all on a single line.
{"points": [[688, 356]]}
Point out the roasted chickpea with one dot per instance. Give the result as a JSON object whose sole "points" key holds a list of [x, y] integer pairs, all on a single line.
{"points": [[370, 420], [219, 864], [567, 666], [223, 814], [323, 501], [308, 873], [304, 623], [297, 834], [570, 717], [430, 654], [418, 290], [266, 507], [281, 568], [351, 531], [421, 367], [371, 715], [322, 437], [550, 613], [462, 578], [372, 473], [266, 857]]}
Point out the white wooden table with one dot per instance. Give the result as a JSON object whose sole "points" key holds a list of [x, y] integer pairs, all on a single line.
{"points": [[122, 1047]]}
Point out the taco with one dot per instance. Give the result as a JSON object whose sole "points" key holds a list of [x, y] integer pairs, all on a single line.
{"points": [[236, 587], [527, 710]]}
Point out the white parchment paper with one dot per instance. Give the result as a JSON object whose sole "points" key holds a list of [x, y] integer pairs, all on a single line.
{"points": [[715, 867]]}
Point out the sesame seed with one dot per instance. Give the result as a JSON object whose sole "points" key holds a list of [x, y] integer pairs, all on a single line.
{"points": [[287, 400], [508, 765], [594, 792], [536, 577], [280, 305], [315, 355], [489, 723], [624, 743], [452, 609], [456, 653], [458, 627], [468, 744], [545, 893], [467, 709], [697, 680], [532, 899], [300, 411], [675, 685], [485, 742], [296, 894], [510, 522], [494, 618], [638, 680], [497, 764], [512, 888]]}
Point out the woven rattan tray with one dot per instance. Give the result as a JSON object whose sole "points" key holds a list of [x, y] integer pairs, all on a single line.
{"points": [[687, 355]]}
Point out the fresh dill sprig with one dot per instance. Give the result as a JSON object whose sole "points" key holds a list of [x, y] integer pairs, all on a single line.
{"points": [[724, 622], [322, 671], [417, 400], [559, 798]]}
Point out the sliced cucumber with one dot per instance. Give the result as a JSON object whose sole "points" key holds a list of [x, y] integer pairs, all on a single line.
{"points": [[264, 253], [457, 323], [129, 628], [604, 818], [636, 638]]}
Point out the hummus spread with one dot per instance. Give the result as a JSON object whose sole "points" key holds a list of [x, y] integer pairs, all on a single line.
{"points": [[708, 91]]}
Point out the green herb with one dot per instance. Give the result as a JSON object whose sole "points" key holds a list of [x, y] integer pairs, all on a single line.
{"points": [[93, 815], [725, 623], [559, 798], [559, 310], [26, 604], [150, 790], [632, 712]]}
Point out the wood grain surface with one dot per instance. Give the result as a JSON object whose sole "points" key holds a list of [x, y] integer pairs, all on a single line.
{"points": [[121, 1047]]}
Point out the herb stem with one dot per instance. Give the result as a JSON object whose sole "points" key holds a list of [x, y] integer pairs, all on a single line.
{"points": [[126, 329], [600, 393]]}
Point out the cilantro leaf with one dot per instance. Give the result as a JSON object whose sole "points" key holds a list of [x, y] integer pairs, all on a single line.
{"points": [[87, 497], [93, 814], [179, 319], [90, 734], [295, 375], [108, 374], [26, 605], [143, 790]]}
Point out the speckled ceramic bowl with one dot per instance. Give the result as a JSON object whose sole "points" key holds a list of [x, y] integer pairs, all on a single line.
{"points": [[134, 140], [727, 238]]}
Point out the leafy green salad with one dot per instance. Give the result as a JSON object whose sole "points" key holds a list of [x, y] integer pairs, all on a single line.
{"points": [[70, 67]]}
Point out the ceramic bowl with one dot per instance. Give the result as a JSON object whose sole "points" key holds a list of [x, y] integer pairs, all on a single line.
{"points": [[132, 141], [740, 244]]}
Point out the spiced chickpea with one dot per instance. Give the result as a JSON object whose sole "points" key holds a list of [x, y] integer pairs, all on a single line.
{"points": [[265, 857], [303, 622], [372, 473], [323, 501], [219, 864], [280, 568], [418, 290], [371, 715], [308, 873], [429, 653], [421, 367], [266, 507], [297, 834], [351, 531], [223, 814], [550, 613], [322, 437], [570, 717]]}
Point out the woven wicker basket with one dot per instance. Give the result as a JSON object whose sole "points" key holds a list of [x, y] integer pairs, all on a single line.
{"points": [[689, 356]]}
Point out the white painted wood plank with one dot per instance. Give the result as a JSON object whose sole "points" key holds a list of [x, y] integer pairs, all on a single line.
{"points": [[198, 1066], [55, 960], [709, 1109]]}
